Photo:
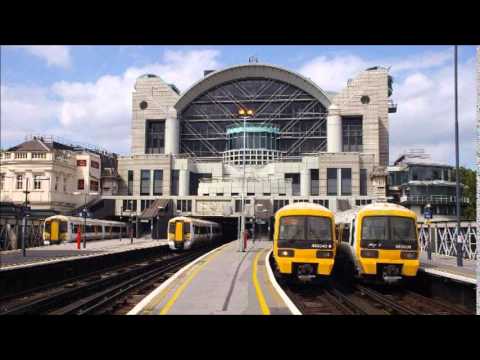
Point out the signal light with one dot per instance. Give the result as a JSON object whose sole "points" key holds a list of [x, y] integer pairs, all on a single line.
{"points": [[249, 112], [241, 112], [369, 254]]}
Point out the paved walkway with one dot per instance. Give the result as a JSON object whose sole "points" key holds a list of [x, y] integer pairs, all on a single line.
{"points": [[446, 266], [224, 281], [67, 251]]}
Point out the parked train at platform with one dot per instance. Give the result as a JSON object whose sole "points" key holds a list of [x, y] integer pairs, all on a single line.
{"points": [[378, 243], [185, 233], [61, 228], [304, 243]]}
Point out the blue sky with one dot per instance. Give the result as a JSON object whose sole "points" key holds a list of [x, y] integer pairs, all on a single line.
{"points": [[71, 91]]}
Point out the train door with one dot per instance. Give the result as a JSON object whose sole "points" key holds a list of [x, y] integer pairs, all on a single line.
{"points": [[54, 231], [179, 231]]}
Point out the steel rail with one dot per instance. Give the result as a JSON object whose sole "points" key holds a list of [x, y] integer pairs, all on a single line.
{"points": [[51, 301]]}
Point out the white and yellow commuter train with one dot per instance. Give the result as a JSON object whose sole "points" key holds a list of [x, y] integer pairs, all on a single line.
{"points": [[378, 242], [60, 228], [304, 244], [185, 233]]}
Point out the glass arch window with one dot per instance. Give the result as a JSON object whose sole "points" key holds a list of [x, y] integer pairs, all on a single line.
{"points": [[300, 117]]}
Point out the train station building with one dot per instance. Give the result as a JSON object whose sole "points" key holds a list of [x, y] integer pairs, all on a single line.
{"points": [[302, 143]]}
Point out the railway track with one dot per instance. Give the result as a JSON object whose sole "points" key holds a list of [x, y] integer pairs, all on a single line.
{"points": [[334, 299], [103, 291]]}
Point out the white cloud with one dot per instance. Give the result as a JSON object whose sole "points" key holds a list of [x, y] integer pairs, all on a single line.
{"points": [[425, 116], [95, 112], [423, 89], [331, 73], [54, 55]]}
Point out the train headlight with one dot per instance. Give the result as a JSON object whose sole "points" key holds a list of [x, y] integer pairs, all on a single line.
{"points": [[324, 254], [373, 254], [285, 253], [408, 255]]}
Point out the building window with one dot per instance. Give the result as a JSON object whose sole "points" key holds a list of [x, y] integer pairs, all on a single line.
{"points": [[157, 182], [81, 184], [321, 202], [39, 155], [36, 182], [2, 181], [130, 205], [145, 204], [195, 179], [130, 183], [314, 182], [143, 105], [145, 182], [363, 181], [175, 180], [93, 185], [352, 134], [295, 182], [332, 181], [346, 181], [94, 164], [365, 99], [155, 137], [20, 155], [81, 162], [184, 205], [278, 204], [57, 180]]}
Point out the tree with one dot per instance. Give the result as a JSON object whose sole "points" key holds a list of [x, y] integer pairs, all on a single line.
{"points": [[468, 177]]}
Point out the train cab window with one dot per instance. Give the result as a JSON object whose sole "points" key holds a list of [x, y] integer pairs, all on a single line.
{"points": [[47, 226], [171, 228], [63, 226], [319, 228], [186, 228], [403, 229]]}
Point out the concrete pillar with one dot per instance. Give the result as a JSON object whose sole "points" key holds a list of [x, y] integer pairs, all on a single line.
{"points": [[184, 183], [305, 181], [334, 129], [171, 132]]}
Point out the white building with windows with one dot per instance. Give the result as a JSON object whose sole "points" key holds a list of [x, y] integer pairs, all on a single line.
{"points": [[55, 175]]}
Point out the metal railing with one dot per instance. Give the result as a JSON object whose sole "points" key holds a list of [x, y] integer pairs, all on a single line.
{"points": [[443, 236], [432, 199]]}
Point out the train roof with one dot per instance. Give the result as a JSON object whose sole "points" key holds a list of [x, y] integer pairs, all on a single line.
{"points": [[304, 206], [345, 216], [195, 220], [78, 218]]}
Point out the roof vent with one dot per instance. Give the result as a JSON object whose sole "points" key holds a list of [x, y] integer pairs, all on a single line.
{"points": [[253, 60]]}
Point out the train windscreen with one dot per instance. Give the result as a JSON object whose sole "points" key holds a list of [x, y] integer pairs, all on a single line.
{"points": [[305, 232], [388, 232]]}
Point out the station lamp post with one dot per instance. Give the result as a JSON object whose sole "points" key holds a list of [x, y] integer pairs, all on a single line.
{"points": [[84, 213], [457, 177], [244, 114]]}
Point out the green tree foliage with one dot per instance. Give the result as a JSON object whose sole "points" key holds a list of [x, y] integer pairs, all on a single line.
{"points": [[468, 177]]}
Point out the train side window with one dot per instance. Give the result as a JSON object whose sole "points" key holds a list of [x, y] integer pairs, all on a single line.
{"points": [[352, 238], [171, 228]]}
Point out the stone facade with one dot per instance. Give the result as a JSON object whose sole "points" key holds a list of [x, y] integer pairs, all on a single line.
{"points": [[153, 99]]}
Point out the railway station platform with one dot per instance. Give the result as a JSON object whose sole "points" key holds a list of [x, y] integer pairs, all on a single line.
{"points": [[446, 266], [13, 259], [224, 281]]}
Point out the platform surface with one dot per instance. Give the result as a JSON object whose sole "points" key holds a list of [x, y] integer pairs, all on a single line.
{"points": [[68, 251], [224, 281], [446, 266]]}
